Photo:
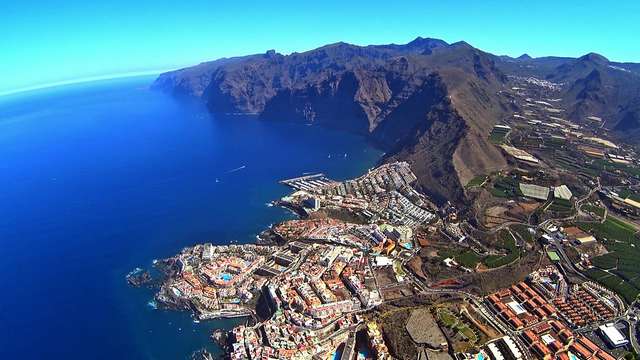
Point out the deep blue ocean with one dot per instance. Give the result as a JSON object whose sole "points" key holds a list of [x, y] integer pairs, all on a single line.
{"points": [[98, 178]]}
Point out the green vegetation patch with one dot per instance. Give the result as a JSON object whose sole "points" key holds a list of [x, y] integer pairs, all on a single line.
{"points": [[605, 165], [561, 206], [627, 291], [607, 261], [466, 258], [451, 321], [469, 334], [505, 187], [599, 211], [621, 262], [612, 230], [397, 268], [555, 140], [508, 243], [498, 135], [629, 194], [477, 181], [448, 319], [573, 164], [596, 274], [523, 231]]}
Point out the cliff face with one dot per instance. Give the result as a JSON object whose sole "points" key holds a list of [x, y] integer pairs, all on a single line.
{"points": [[432, 130], [426, 102]]}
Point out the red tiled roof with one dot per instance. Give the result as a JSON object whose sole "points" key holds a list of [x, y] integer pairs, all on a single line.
{"points": [[588, 343], [530, 336], [541, 349], [581, 350]]}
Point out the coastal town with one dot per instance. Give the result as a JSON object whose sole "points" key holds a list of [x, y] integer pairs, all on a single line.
{"points": [[542, 263]]}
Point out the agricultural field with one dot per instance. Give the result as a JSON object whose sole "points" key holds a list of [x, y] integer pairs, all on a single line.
{"points": [[526, 141], [498, 135], [560, 207], [629, 194], [619, 269], [604, 165], [505, 187], [611, 230], [554, 142], [574, 164], [599, 211]]}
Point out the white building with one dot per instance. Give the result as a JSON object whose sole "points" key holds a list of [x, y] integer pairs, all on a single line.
{"points": [[613, 336]]}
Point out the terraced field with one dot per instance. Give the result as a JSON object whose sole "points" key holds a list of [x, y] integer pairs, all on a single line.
{"points": [[619, 269]]}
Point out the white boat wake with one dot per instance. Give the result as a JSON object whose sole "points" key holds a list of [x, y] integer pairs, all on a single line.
{"points": [[236, 169]]}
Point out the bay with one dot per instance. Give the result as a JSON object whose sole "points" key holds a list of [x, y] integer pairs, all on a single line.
{"points": [[98, 178]]}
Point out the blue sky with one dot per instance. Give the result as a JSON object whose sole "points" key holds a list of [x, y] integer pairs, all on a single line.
{"points": [[44, 42]]}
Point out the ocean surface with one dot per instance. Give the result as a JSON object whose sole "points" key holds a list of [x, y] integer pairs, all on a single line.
{"points": [[99, 178]]}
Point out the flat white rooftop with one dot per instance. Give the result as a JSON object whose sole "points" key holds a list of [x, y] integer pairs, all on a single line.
{"points": [[517, 308], [548, 339], [613, 335]]}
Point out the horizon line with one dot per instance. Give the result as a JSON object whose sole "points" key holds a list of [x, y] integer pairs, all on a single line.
{"points": [[83, 80]]}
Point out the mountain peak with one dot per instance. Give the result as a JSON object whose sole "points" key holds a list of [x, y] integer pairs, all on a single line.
{"points": [[524, 56], [426, 45], [337, 44], [461, 44], [270, 54], [429, 42], [594, 58]]}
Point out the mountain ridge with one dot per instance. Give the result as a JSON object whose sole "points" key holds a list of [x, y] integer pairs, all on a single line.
{"points": [[427, 102]]}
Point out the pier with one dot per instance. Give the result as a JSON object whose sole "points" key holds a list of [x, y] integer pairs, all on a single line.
{"points": [[308, 182]]}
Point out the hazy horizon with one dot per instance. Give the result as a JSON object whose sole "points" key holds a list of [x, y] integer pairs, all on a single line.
{"points": [[82, 80]]}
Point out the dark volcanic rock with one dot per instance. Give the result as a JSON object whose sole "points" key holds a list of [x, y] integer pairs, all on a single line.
{"points": [[139, 277], [432, 131]]}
